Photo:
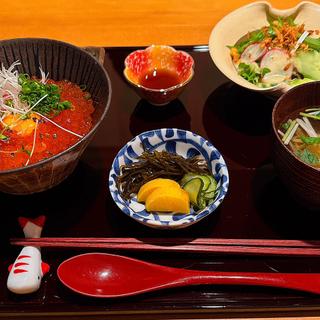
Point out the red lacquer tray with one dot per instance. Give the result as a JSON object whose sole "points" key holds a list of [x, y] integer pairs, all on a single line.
{"points": [[238, 123]]}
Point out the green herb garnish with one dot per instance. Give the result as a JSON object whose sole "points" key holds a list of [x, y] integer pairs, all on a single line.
{"points": [[290, 21], [280, 21], [285, 126], [87, 96], [310, 140], [313, 43], [9, 102], [44, 97], [251, 72], [23, 149], [308, 157], [25, 116], [264, 71], [252, 37], [308, 115], [271, 32], [3, 137]]}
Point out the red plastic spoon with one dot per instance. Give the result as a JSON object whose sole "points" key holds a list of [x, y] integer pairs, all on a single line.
{"points": [[108, 276]]}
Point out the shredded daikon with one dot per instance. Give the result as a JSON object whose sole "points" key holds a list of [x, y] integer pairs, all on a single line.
{"points": [[76, 134], [34, 142], [306, 128], [44, 77]]}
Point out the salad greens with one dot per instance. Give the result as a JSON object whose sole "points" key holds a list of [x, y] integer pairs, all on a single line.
{"points": [[307, 64], [313, 43], [282, 51], [252, 72], [255, 36]]}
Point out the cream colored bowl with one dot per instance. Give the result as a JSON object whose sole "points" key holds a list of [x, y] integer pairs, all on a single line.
{"points": [[250, 18]]}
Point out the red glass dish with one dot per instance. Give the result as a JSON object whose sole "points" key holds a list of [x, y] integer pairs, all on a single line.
{"points": [[159, 73]]}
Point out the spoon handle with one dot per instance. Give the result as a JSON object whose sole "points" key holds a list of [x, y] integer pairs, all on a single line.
{"points": [[309, 282]]}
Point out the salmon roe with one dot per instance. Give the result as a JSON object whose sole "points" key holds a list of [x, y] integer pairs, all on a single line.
{"points": [[16, 151]]}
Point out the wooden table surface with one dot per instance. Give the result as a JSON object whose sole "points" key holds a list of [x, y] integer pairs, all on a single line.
{"points": [[120, 23]]}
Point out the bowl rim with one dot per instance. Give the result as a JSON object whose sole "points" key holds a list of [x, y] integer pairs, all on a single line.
{"points": [[275, 130], [218, 200], [179, 85], [235, 77], [92, 130]]}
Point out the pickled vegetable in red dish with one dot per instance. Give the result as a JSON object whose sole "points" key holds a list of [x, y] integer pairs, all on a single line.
{"points": [[39, 118]]}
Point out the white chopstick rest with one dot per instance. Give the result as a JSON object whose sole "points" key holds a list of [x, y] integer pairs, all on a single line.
{"points": [[27, 271]]}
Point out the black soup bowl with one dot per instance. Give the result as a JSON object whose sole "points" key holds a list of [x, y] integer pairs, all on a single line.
{"points": [[299, 177]]}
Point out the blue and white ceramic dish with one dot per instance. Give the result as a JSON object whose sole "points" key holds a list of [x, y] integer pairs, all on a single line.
{"points": [[184, 143]]}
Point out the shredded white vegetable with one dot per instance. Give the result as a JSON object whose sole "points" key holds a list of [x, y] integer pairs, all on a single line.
{"points": [[307, 121], [313, 109], [314, 112], [76, 134], [44, 77], [34, 142], [291, 134], [310, 132], [9, 90]]}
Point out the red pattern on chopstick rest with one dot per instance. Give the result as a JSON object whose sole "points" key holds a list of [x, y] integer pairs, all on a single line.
{"points": [[19, 271], [19, 264], [23, 257], [39, 221]]}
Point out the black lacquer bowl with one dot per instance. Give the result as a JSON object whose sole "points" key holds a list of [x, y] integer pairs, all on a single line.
{"points": [[63, 61], [301, 179]]}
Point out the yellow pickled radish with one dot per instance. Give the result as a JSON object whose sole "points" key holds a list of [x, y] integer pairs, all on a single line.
{"points": [[168, 199], [151, 185]]}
